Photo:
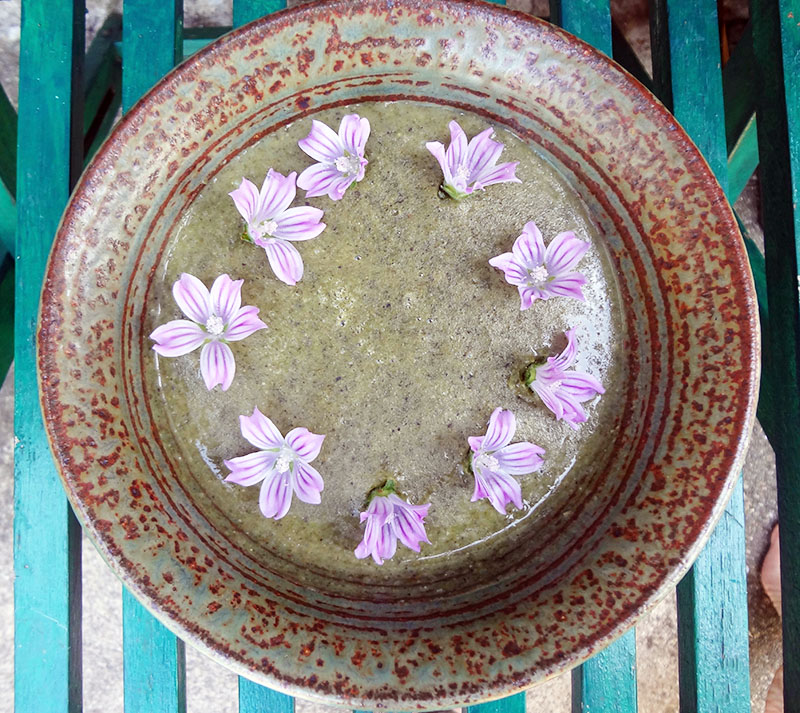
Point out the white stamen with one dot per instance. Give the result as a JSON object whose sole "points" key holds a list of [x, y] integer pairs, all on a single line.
{"points": [[538, 275], [487, 461], [348, 165], [283, 462], [265, 227], [462, 173], [215, 326]]}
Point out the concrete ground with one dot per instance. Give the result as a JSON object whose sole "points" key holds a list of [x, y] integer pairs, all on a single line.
{"points": [[211, 688]]}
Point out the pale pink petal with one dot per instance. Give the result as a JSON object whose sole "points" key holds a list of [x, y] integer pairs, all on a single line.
{"points": [[300, 223], [566, 285], [480, 491], [482, 154], [178, 337], [192, 297], [284, 260], [275, 497], [353, 133], [457, 150], [529, 246], [514, 272], [499, 488], [226, 297], [386, 544], [261, 431], [250, 469], [277, 194], [475, 442], [304, 443], [500, 431], [245, 198], [550, 399], [408, 523], [504, 173], [519, 458], [564, 253], [318, 179], [307, 483], [527, 295], [339, 186], [217, 365], [322, 143], [565, 359], [244, 323], [437, 149], [581, 386]]}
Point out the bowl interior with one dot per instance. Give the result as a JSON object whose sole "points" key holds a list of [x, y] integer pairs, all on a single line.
{"points": [[607, 542]]}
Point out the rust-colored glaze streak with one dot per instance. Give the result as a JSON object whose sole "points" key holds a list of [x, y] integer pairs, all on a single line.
{"points": [[691, 357]]}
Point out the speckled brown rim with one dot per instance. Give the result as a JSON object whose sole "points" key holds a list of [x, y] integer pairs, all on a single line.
{"points": [[675, 242]]}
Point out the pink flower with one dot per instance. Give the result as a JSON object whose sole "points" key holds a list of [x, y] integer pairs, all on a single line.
{"points": [[341, 157], [539, 273], [388, 519], [271, 223], [281, 466], [563, 391], [495, 460], [215, 318], [474, 163]]}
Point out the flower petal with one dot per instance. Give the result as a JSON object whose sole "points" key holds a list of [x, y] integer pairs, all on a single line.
{"points": [[244, 323], [245, 198], [192, 297], [504, 173], [565, 359], [277, 193], [322, 143], [300, 223], [226, 297], [566, 285], [499, 488], [564, 253], [482, 154], [514, 272], [581, 386], [437, 149], [305, 444], [250, 469], [456, 153], [217, 365], [528, 295], [549, 397], [307, 483], [519, 458], [284, 260], [318, 179], [353, 133], [529, 246], [500, 430], [408, 523], [178, 337], [261, 431], [275, 497]]}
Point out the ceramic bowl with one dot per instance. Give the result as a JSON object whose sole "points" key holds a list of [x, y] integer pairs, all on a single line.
{"points": [[600, 559]]}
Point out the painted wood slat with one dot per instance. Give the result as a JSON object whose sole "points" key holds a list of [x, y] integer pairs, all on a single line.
{"points": [[8, 144], [152, 34], [509, 704], [595, 687], [47, 635], [154, 682], [245, 11], [254, 698], [776, 48], [590, 20], [7, 278], [8, 221], [153, 658], [712, 598]]}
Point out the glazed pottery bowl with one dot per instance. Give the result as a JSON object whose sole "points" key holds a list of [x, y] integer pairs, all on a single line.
{"points": [[593, 561]]}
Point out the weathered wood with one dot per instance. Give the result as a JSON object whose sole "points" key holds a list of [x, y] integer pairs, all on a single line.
{"points": [[245, 11], [509, 704], [154, 662], [712, 598], [254, 698], [595, 684], [152, 34], [590, 20], [47, 635], [776, 48], [627, 58]]}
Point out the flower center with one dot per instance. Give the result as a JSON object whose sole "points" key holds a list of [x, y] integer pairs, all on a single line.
{"points": [[347, 165], [283, 462], [215, 326], [487, 461], [462, 173], [538, 274], [556, 385], [265, 227]]}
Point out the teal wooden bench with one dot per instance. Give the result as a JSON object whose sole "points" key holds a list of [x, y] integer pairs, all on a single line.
{"points": [[738, 118]]}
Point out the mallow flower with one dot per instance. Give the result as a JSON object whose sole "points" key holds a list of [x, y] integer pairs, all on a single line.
{"points": [[281, 465], [542, 273], [471, 166], [495, 462], [273, 225], [215, 319], [563, 390], [340, 156], [390, 518]]}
